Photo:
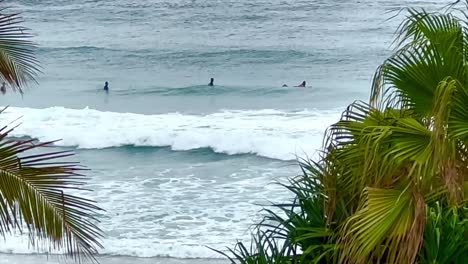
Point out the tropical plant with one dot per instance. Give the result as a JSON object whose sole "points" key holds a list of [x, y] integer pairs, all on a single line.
{"points": [[445, 236], [18, 63], [289, 228], [35, 182], [391, 184]]}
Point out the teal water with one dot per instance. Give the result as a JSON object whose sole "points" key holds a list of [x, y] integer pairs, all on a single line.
{"points": [[179, 165]]}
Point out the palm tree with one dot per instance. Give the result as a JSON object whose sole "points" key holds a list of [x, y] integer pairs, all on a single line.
{"points": [[18, 64], [35, 183], [392, 182]]}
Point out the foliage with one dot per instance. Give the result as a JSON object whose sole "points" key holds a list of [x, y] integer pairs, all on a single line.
{"points": [[18, 64], [445, 237], [391, 183], [35, 183], [32, 195]]}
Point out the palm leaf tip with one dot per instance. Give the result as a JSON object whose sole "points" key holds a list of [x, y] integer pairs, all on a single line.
{"points": [[18, 63], [34, 195]]}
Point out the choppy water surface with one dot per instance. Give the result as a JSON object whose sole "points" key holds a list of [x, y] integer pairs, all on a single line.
{"points": [[179, 165]]}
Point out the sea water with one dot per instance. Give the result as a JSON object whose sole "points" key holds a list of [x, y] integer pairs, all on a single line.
{"points": [[180, 166]]}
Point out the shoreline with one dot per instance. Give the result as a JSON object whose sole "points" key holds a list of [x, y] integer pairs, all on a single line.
{"points": [[103, 259]]}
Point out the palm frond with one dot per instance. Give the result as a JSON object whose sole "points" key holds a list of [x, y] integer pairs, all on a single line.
{"points": [[264, 249], [431, 48], [33, 193], [385, 166], [386, 217], [18, 63], [445, 235]]}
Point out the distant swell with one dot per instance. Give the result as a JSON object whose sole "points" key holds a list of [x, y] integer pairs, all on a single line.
{"points": [[194, 56], [268, 133], [203, 90]]}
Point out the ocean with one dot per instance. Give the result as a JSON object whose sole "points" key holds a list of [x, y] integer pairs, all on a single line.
{"points": [[180, 166]]}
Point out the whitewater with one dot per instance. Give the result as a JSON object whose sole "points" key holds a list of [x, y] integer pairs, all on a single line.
{"points": [[179, 166], [268, 133]]}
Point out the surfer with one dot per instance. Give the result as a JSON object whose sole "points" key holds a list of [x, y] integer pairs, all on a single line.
{"points": [[211, 82], [303, 84], [3, 88], [284, 85], [106, 87]]}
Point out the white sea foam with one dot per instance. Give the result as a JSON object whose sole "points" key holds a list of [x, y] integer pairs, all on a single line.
{"points": [[166, 208], [268, 133], [144, 248], [173, 213]]}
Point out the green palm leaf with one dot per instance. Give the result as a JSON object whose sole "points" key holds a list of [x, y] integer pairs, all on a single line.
{"points": [[432, 48], [18, 64], [445, 236], [386, 217], [385, 164], [32, 194], [34, 183]]}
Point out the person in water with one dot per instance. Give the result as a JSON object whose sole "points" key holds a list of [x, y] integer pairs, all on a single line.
{"points": [[3, 88], [211, 82], [106, 87], [303, 84]]}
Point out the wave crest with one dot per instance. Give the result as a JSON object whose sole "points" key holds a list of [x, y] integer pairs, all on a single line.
{"points": [[267, 133]]}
